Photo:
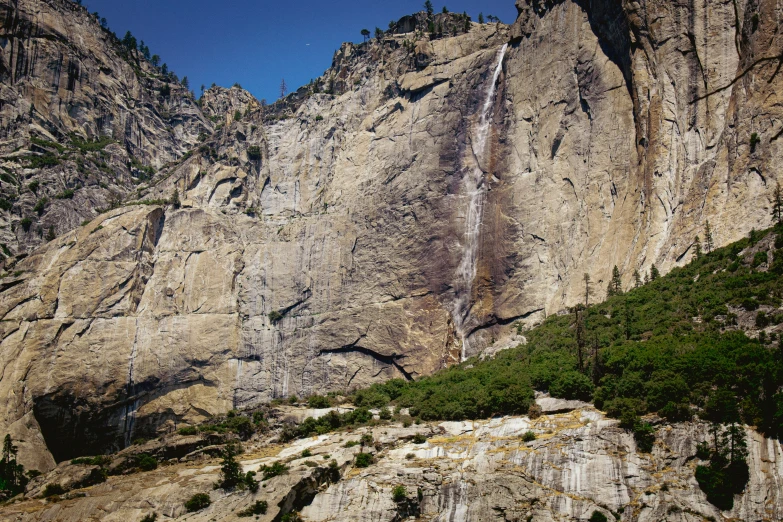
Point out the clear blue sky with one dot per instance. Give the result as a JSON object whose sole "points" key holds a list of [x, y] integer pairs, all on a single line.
{"points": [[256, 43]]}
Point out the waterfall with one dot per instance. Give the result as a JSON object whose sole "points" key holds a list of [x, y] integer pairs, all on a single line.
{"points": [[475, 189]]}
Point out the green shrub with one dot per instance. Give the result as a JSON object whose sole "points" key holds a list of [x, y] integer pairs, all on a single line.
{"points": [[146, 462], [277, 468], [318, 401], [703, 451], [152, 517], [95, 145], [399, 493], [66, 194], [419, 438], [42, 162], [53, 489], [275, 316], [188, 430], [40, 205], [597, 516], [528, 436], [573, 386], [197, 502], [26, 224], [254, 152], [5, 204], [351, 443], [307, 453], [100, 460], [33, 186], [759, 258], [257, 508], [363, 460]]}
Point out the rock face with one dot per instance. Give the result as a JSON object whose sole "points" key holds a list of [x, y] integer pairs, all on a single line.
{"points": [[66, 80], [411, 204], [579, 463]]}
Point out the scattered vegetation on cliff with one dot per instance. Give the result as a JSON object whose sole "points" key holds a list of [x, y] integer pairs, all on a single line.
{"points": [[12, 476]]}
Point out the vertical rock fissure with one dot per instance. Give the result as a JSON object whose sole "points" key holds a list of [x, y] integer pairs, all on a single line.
{"points": [[475, 189]]}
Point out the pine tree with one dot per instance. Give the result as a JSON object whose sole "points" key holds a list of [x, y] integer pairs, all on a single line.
{"points": [[654, 273], [155, 60], [284, 87], [637, 279], [708, 243], [129, 41], [230, 470], [616, 283], [697, 246], [481, 18], [365, 35], [185, 82], [777, 204], [378, 33], [428, 7], [587, 289], [579, 329], [628, 319]]}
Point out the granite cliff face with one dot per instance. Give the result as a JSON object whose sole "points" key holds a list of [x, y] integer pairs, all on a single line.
{"points": [[67, 83], [398, 214]]}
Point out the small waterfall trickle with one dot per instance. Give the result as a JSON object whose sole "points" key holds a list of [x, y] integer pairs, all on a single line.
{"points": [[129, 416], [476, 190]]}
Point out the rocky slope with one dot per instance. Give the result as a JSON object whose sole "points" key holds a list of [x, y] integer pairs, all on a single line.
{"points": [[397, 215], [579, 463], [67, 81]]}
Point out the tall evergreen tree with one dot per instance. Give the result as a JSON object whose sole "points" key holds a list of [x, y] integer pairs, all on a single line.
{"points": [[654, 273], [586, 279], [365, 35], [637, 279], [428, 7], [615, 284], [708, 242], [284, 87], [697, 246], [777, 204]]}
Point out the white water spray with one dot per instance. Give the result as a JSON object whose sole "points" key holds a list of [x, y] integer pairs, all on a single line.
{"points": [[476, 190]]}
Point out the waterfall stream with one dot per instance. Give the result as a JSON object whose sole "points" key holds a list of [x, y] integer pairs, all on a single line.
{"points": [[475, 188]]}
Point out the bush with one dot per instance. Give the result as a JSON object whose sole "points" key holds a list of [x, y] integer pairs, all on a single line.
{"points": [[52, 489], [363, 460], [42, 162], [703, 451], [399, 493], [277, 468], [152, 517], [197, 502], [26, 224], [676, 412], [528, 436], [759, 259], [307, 453], [188, 430], [275, 316], [33, 186], [572, 386], [258, 508], [66, 194], [100, 460], [254, 152], [146, 462], [318, 401], [419, 438], [597, 516]]}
